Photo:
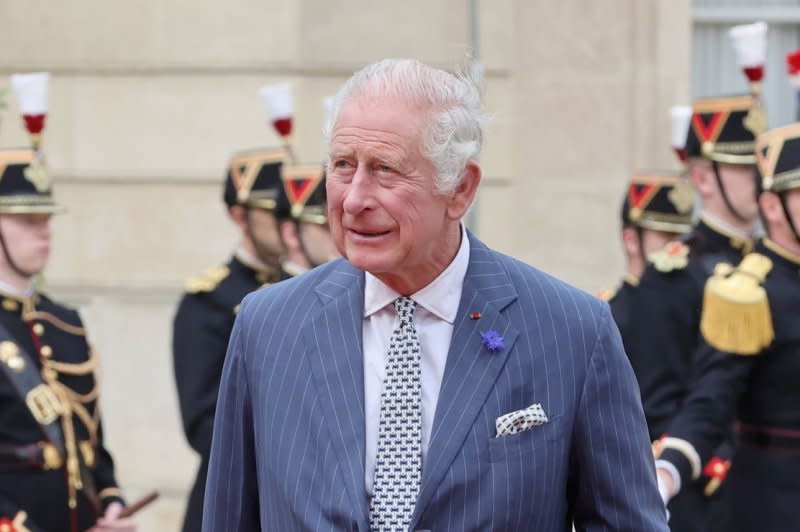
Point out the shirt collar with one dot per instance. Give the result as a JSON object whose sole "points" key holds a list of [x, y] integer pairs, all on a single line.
{"points": [[722, 227], [441, 297], [16, 292]]}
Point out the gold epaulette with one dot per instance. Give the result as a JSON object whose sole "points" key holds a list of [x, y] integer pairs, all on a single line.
{"points": [[673, 256], [207, 281], [736, 316]]}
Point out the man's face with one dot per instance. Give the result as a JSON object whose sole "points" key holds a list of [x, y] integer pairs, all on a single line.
{"points": [[740, 186], [793, 206], [263, 230], [318, 243], [27, 238], [385, 215], [653, 241]]}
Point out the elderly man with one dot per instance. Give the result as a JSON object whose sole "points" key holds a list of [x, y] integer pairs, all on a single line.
{"points": [[423, 382]]}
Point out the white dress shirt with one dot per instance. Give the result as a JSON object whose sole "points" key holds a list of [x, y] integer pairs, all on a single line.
{"points": [[437, 305]]}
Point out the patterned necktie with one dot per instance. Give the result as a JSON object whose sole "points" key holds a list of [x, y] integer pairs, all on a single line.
{"points": [[398, 465]]}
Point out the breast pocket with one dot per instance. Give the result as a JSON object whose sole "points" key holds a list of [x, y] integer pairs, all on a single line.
{"points": [[523, 444]]}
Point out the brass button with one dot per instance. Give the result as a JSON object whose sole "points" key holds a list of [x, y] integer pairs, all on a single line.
{"points": [[10, 305], [16, 363], [51, 456], [8, 349], [46, 351], [38, 329]]}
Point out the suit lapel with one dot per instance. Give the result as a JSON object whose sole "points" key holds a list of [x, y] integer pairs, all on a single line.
{"points": [[471, 369], [335, 340]]}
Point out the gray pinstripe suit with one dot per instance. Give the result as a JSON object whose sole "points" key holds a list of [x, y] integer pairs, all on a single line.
{"points": [[288, 450]]}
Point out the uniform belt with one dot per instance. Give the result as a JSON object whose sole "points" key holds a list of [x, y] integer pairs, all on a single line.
{"points": [[770, 438], [40, 455]]}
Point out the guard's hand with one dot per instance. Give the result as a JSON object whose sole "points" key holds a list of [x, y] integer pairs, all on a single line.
{"points": [[112, 522]]}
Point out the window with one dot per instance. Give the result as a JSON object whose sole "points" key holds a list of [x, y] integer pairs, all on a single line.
{"points": [[714, 67]]}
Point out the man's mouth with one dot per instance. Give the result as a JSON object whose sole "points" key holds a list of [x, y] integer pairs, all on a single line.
{"points": [[367, 233]]}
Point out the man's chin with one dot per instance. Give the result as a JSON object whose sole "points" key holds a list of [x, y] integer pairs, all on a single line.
{"points": [[366, 260]]}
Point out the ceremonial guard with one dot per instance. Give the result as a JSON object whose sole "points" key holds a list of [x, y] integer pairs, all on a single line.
{"points": [[55, 472], [656, 210], [750, 364], [257, 204], [662, 333], [311, 235]]}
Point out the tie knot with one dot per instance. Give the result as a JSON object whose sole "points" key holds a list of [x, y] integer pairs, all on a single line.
{"points": [[404, 306]]}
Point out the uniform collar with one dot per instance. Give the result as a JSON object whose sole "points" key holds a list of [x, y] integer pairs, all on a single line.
{"points": [[720, 235], [630, 279], [441, 297], [13, 299], [780, 255], [262, 273]]}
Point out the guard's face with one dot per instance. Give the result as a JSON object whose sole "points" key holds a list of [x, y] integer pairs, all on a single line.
{"points": [[263, 229], [385, 216], [318, 243], [793, 206], [740, 185], [27, 238], [653, 241]]}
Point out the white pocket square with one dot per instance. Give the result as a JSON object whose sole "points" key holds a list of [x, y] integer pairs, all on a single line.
{"points": [[520, 420]]}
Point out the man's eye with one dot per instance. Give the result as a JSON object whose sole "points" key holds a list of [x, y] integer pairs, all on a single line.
{"points": [[384, 168], [340, 164]]}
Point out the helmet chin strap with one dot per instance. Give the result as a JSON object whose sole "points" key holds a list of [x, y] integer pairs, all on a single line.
{"points": [[640, 241], [728, 204], [19, 271]]}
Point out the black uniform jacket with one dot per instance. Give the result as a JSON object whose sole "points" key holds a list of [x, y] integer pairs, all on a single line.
{"points": [[54, 341], [661, 335], [762, 392], [661, 330], [202, 326]]}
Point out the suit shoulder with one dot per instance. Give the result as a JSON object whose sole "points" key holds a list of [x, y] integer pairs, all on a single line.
{"points": [[545, 287], [290, 290]]}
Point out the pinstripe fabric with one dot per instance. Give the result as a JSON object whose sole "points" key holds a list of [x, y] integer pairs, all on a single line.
{"points": [[288, 451]]}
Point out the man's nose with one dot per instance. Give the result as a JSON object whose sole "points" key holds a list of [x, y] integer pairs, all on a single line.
{"points": [[358, 196]]}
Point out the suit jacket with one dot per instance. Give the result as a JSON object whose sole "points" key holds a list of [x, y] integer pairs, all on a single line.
{"points": [[288, 447]]}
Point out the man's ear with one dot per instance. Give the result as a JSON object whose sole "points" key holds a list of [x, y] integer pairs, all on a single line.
{"points": [[238, 215], [702, 178], [630, 242], [464, 194], [771, 207]]}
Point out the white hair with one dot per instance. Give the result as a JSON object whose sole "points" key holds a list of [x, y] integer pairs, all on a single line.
{"points": [[453, 130]]}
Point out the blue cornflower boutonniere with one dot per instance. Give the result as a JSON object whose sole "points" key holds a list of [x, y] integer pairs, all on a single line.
{"points": [[493, 341]]}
